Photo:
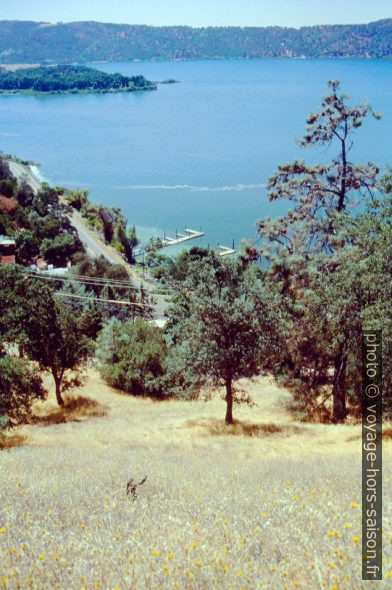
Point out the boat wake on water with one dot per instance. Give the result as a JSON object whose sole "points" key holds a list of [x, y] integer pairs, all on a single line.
{"points": [[192, 188]]}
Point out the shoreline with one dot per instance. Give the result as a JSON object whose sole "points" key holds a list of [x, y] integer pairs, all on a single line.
{"points": [[18, 66], [75, 92], [35, 171]]}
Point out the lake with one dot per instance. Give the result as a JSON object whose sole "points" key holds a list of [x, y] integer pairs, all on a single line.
{"points": [[198, 153]]}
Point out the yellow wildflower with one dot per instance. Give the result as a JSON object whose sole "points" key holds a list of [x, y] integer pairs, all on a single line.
{"points": [[332, 533], [355, 538]]}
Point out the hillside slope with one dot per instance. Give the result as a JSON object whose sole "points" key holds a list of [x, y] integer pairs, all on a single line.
{"points": [[277, 509]]}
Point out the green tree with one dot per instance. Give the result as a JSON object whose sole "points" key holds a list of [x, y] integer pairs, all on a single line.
{"points": [[25, 195], [307, 244], [19, 387], [7, 188], [27, 247], [59, 251], [132, 356], [128, 240], [55, 341], [77, 198], [318, 193], [178, 268], [46, 200], [47, 330], [15, 293], [112, 282], [5, 172], [221, 327], [107, 223]]}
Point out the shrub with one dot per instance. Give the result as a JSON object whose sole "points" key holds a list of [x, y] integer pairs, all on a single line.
{"points": [[132, 356], [59, 250], [19, 387]]}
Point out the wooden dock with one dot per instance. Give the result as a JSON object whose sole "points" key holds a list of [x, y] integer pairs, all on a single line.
{"points": [[190, 234], [225, 251]]}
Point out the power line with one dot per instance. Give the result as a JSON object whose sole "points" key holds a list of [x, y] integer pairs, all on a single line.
{"points": [[94, 299], [102, 279], [98, 282], [71, 277]]}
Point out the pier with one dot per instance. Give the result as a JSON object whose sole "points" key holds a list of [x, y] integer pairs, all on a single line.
{"points": [[190, 234], [225, 251]]}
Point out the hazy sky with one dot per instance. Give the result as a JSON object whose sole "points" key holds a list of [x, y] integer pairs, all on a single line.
{"points": [[199, 12]]}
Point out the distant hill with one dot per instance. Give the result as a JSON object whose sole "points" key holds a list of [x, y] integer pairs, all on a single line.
{"points": [[31, 42]]}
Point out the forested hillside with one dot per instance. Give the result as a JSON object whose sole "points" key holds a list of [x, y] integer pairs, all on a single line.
{"points": [[28, 42]]}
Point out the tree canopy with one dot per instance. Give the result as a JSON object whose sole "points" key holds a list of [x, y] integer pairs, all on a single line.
{"points": [[221, 328], [314, 258], [70, 79]]}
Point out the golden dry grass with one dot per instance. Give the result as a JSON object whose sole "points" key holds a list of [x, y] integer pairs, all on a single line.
{"points": [[266, 503]]}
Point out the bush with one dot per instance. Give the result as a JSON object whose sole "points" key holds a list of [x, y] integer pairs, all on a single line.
{"points": [[59, 250], [7, 188], [132, 356], [76, 198], [27, 247], [19, 387]]}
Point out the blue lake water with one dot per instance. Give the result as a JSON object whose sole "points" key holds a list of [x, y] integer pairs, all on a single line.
{"points": [[197, 153]]}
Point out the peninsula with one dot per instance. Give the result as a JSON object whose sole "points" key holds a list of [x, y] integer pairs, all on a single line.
{"points": [[69, 79]]}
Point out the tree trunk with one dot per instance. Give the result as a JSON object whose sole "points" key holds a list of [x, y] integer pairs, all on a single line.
{"points": [[57, 382], [229, 401], [339, 388]]}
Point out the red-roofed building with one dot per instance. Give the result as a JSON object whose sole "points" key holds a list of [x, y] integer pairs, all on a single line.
{"points": [[7, 250]]}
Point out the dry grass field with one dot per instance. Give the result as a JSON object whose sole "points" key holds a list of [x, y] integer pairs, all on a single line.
{"points": [[268, 503]]}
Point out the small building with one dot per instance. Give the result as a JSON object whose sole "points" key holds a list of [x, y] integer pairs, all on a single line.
{"points": [[7, 250]]}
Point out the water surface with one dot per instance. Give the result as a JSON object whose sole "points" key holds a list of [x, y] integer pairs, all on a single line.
{"points": [[197, 153]]}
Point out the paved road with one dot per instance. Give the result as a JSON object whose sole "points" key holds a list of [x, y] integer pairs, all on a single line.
{"points": [[23, 173], [93, 245]]}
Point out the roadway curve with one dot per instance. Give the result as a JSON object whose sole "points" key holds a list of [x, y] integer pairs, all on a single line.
{"points": [[94, 246]]}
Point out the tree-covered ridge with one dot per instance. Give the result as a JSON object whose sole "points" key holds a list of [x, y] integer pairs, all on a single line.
{"points": [[70, 78], [28, 42]]}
